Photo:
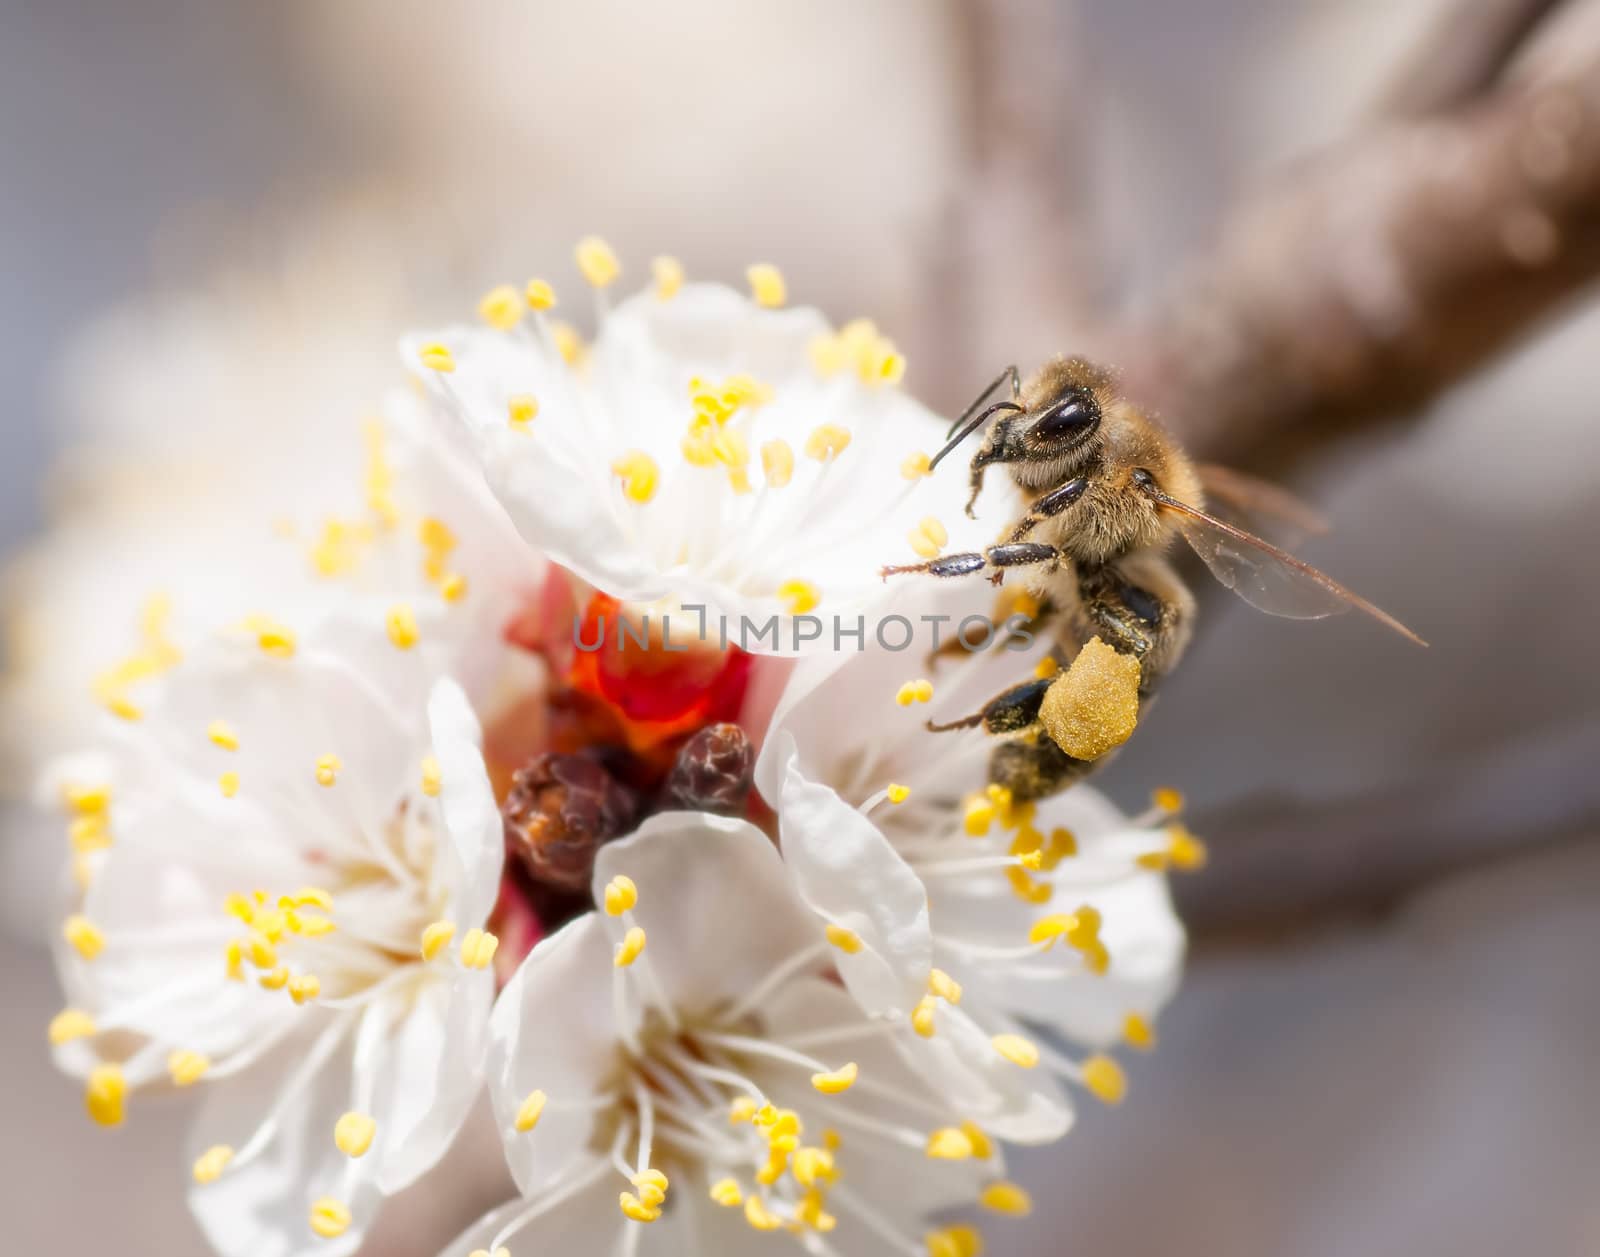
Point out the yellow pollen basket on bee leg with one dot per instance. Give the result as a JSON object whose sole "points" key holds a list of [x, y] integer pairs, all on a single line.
{"points": [[1093, 706]]}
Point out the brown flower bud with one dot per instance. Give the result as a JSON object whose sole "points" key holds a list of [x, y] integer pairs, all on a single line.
{"points": [[560, 810], [713, 773]]}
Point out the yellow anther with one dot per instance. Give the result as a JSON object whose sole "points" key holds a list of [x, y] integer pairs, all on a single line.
{"points": [[1153, 861], [982, 1145], [353, 1134], [597, 261], [1138, 1033], [276, 980], [1186, 850], [187, 1068], [330, 1218], [1166, 799], [881, 363], [304, 987], [652, 1185], [835, 1082], [235, 955], [919, 691], [1007, 1198], [522, 409], [70, 1024], [401, 623], [743, 1109], [668, 274], [435, 534], [639, 475], [629, 948], [766, 285], [929, 537], [89, 833], [739, 480], [949, 1144], [777, 463], [954, 1241], [698, 451], [1016, 1049], [764, 1116], [978, 818], [827, 441], [1047, 930], [85, 938], [726, 1193], [328, 767], [1104, 1077], [1028, 890], [922, 1016], [501, 307], [221, 734], [123, 707], [944, 986], [105, 1093], [478, 948], [730, 447], [813, 1166], [87, 800], [210, 1164], [530, 1111], [313, 926], [453, 588], [636, 1210], [1046, 668], [436, 937], [432, 777], [916, 466], [1031, 860], [1062, 845], [437, 357], [759, 1216], [897, 793], [276, 640], [621, 895], [539, 295], [568, 343], [798, 596]]}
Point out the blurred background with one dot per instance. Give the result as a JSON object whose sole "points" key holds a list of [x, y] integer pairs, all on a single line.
{"points": [[1344, 242]]}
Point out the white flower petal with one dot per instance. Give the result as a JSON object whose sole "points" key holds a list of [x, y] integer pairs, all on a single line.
{"points": [[466, 797]]}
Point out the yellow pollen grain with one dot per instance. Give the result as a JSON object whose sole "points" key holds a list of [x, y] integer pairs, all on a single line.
{"points": [[432, 777], [766, 285], [478, 948], [210, 1164], [777, 463], [726, 1193], [1016, 1049], [922, 1016], [639, 475], [105, 1093], [916, 466], [949, 1144], [539, 295], [522, 409], [668, 275], [837, 1081], [621, 895], [1007, 1198], [304, 987], [437, 357], [1105, 1079], [1138, 1033], [944, 986], [629, 948], [635, 1210], [401, 623], [222, 734], [85, 938], [353, 1134], [187, 1068], [847, 941], [330, 1218], [501, 307], [827, 441], [799, 596], [530, 1111], [70, 1024], [1187, 852], [228, 783], [597, 261], [1046, 668], [436, 937], [328, 767]]}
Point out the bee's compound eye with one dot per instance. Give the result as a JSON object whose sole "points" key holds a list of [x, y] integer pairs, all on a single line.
{"points": [[1075, 415]]}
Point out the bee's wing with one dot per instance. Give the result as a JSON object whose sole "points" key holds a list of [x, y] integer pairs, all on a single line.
{"points": [[1265, 576], [1274, 511]]}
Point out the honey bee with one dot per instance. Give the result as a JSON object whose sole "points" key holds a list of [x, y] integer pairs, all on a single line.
{"points": [[1109, 490]]}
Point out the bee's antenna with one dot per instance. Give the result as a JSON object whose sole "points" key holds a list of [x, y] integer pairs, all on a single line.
{"points": [[972, 426]]}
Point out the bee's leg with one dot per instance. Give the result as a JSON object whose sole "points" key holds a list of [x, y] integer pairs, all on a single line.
{"points": [[1138, 607], [995, 560], [1010, 711], [1036, 769], [1050, 505]]}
